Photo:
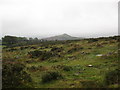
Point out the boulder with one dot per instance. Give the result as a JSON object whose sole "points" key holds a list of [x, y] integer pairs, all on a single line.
{"points": [[99, 55], [90, 65]]}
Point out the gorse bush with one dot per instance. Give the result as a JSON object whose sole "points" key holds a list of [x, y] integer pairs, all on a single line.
{"points": [[35, 53], [50, 76], [46, 55], [40, 54], [62, 67], [32, 68], [13, 75], [56, 49], [35, 68], [92, 40], [67, 68], [25, 47], [112, 77]]}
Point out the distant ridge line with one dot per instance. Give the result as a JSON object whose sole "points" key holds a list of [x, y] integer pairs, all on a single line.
{"points": [[61, 37]]}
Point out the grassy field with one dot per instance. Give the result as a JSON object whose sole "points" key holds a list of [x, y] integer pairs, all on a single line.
{"points": [[67, 64]]}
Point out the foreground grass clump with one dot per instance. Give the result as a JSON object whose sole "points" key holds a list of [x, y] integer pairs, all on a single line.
{"points": [[33, 54], [41, 54], [56, 49], [14, 75], [67, 68], [112, 77], [89, 84], [50, 76]]}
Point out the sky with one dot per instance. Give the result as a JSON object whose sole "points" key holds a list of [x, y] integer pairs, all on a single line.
{"points": [[45, 18]]}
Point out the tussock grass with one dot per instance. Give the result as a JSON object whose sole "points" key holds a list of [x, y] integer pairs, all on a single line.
{"points": [[69, 60]]}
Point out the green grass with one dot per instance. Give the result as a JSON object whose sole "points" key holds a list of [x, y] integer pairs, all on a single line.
{"points": [[81, 75]]}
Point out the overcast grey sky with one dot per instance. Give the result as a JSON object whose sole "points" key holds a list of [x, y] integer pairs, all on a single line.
{"points": [[43, 18]]}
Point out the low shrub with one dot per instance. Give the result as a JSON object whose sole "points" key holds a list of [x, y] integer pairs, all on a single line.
{"points": [[112, 77], [14, 75], [41, 54], [35, 53], [56, 49], [74, 49], [90, 84], [62, 67], [50, 76], [67, 68], [92, 40], [22, 48], [35, 68], [46, 55]]}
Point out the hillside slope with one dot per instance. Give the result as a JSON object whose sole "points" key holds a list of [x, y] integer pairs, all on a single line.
{"points": [[61, 37], [87, 63]]}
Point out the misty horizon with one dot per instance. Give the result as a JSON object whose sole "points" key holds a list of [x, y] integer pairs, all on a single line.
{"points": [[41, 19], [43, 37]]}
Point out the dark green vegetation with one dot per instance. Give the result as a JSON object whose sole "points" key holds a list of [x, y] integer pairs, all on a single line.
{"points": [[49, 76], [15, 76], [12, 41], [112, 77], [88, 63]]}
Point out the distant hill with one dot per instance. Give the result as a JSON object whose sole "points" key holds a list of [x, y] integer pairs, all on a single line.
{"points": [[62, 37]]}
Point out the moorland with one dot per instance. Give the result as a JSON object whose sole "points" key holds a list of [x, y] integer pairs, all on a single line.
{"points": [[84, 63]]}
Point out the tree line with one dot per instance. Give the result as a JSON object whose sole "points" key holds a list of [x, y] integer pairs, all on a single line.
{"points": [[11, 41], [18, 41]]}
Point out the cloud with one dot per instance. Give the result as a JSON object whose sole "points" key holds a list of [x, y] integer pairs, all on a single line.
{"points": [[50, 17]]}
